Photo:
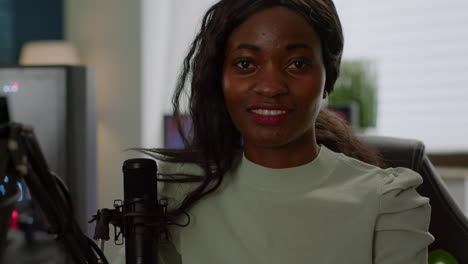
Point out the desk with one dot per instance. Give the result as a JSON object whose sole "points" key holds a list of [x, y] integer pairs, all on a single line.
{"points": [[45, 250], [459, 160]]}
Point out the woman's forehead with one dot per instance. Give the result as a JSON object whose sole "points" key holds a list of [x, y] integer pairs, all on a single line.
{"points": [[273, 26]]}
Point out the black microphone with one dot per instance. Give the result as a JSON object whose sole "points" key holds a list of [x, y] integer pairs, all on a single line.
{"points": [[142, 214]]}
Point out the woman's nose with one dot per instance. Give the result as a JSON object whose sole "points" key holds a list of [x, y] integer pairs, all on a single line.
{"points": [[271, 84]]}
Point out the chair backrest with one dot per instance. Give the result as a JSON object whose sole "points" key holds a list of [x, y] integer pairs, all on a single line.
{"points": [[449, 225]]}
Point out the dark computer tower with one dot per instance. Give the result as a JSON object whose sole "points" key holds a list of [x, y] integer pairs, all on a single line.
{"points": [[59, 102]]}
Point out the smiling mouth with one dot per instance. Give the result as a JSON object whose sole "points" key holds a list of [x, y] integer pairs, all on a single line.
{"points": [[269, 117], [268, 112]]}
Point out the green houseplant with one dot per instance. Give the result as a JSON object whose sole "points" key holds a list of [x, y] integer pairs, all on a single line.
{"points": [[357, 84]]}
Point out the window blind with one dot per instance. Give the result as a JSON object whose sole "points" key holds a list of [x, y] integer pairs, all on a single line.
{"points": [[420, 51]]}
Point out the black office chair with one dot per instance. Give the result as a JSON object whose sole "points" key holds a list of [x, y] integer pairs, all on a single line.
{"points": [[449, 225]]}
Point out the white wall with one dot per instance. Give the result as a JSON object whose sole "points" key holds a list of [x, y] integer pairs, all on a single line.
{"points": [[107, 36]]}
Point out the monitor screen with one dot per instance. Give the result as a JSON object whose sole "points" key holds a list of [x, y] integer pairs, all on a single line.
{"points": [[37, 97], [347, 112], [172, 138]]}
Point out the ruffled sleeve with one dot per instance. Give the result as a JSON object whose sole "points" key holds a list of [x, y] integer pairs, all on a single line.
{"points": [[401, 232]]}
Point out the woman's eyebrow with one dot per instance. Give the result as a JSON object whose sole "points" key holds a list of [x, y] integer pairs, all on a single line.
{"points": [[247, 46], [298, 46], [257, 48]]}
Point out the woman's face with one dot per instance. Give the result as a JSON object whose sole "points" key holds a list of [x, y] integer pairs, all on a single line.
{"points": [[273, 80]]}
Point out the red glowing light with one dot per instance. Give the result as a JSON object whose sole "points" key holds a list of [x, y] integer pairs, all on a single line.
{"points": [[15, 84], [14, 220]]}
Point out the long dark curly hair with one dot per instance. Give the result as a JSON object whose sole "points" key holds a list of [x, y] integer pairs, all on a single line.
{"points": [[214, 141]]}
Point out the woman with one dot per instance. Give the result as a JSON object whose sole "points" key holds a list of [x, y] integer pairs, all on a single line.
{"points": [[268, 177]]}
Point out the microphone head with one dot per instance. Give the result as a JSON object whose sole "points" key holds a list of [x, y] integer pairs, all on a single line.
{"points": [[140, 179]]}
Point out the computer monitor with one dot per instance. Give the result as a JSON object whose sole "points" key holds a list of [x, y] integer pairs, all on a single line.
{"points": [[172, 137], [59, 102]]}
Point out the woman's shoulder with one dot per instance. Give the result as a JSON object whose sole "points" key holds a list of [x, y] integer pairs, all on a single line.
{"points": [[385, 179], [399, 178], [394, 189], [398, 191]]}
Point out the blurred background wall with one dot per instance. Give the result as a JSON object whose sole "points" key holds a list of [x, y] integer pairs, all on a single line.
{"points": [[107, 34]]}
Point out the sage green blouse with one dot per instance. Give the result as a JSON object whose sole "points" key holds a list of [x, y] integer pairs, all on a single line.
{"points": [[333, 210]]}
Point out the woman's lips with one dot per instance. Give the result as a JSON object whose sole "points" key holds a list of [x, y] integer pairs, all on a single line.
{"points": [[269, 116]]}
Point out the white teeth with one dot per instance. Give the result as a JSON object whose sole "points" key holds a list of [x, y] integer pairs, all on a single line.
{"points": [[268, 112]]}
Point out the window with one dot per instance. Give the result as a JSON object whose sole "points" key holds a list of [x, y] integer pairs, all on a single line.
{"points": [[420, 50]]}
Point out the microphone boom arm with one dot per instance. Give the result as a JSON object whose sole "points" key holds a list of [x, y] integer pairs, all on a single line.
{"points": [[27, 160]]}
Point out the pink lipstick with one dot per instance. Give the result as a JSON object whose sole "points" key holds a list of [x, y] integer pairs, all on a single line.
{"points": [[269, 114]]}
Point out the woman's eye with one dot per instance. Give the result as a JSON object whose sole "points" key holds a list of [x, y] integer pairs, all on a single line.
{"points": [[298, 64], [244, 64]]}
